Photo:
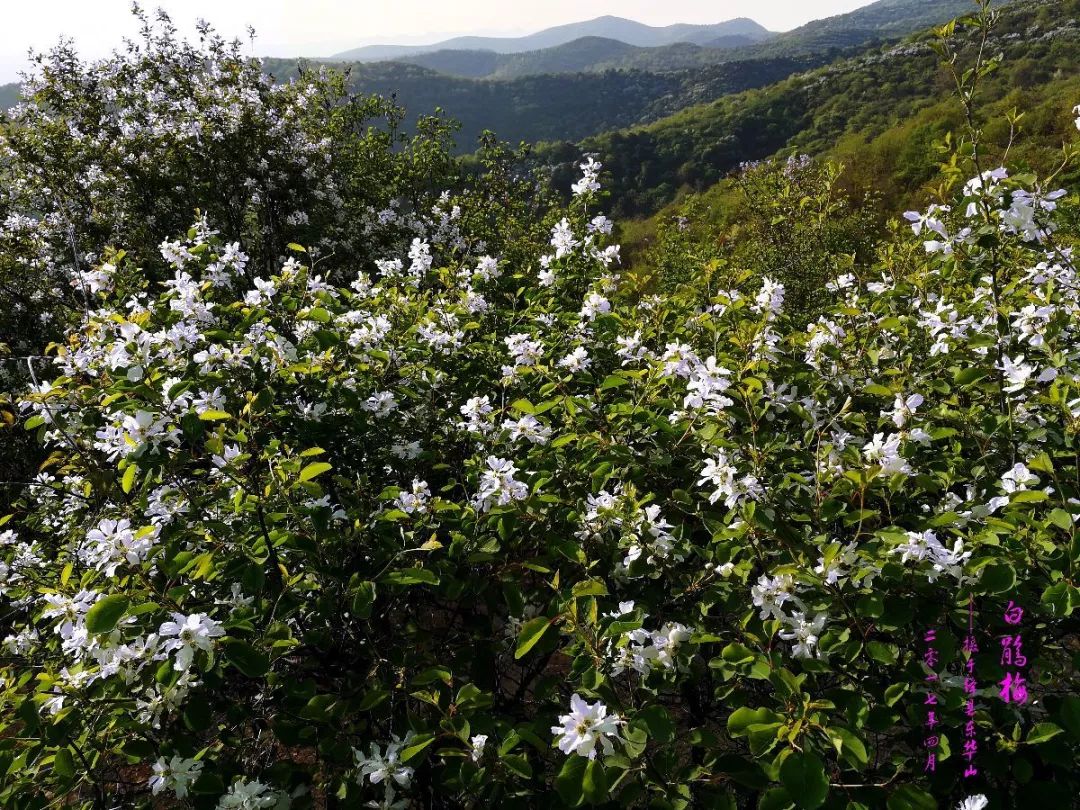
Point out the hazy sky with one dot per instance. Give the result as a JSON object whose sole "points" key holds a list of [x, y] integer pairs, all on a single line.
{"points": [[323, 27]]}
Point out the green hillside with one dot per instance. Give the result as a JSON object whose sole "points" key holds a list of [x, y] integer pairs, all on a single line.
{"points": [[567, 106], [885, 19], [855, 101], [9, 95]]}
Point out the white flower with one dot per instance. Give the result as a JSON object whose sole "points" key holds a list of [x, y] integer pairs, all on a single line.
{"points": [[1016, 372], [478, 743], [263, 292], [770, 594], [1018, 479], [585, 726], [804, 633], [594, 304], [979, 802], [770, 299], [530, 428], [416, 501], [498, 486], [926, 546], [525, 350], [476, 412], [377, 767], [254, 795], [113, 542], [175, 774], [381, 403], [885, 453], [577, 360], [187, 634], [1076, 111], [903, 408], [562, 238], [630, 348], [588, 182], [722, 475], [624, 608]]}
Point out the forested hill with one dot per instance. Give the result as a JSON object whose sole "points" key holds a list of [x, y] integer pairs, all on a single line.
{"points": [[557, 107], [588, 54], [853, 101], [885, 19], [9, 95]]}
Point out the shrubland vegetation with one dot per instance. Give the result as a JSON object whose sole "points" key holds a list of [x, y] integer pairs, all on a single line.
{"points": [[371, 482]]}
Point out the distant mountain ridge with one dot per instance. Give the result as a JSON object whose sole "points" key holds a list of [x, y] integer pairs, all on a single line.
{"points": [[881, 20], [608, 27], [585, 55]]}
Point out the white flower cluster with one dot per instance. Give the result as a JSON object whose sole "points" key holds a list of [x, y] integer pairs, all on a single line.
{"points": [[586, 725], [770, 594], [642, 650]]}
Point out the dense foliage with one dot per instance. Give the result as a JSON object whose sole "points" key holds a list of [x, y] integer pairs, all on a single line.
{"points": [[467, 514]]}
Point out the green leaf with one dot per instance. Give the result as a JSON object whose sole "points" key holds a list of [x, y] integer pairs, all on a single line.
{"points": [[776, 798], [213, 416], [803, 775], [64, 763], [969, 376], [910, 797], [296, 247], [882, 652], [247, 659], [740, 721], [314, 470], [105, 613], [531, 633], [589, 587], [594, 783], [655, 720], [568, 782], [998, 578], [736, 653], [613, 381], [419, 743], [1041, 732], [849, 745], [363, 597], [1061, 519], [128, 481], [1069, 714], [411, 576], [1058, 600]]}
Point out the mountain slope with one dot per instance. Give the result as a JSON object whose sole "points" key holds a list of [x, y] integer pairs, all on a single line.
{"points": [[553, 107], [623, 30], [588, 54], [884, 19], [851, 102], [9, 95]]}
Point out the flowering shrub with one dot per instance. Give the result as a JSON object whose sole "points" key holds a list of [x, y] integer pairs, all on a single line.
{"points": [[465, 530]]}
